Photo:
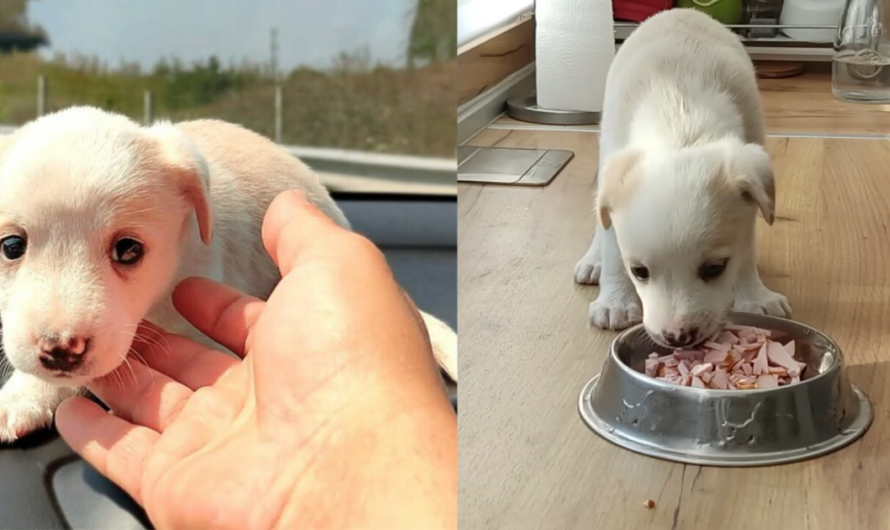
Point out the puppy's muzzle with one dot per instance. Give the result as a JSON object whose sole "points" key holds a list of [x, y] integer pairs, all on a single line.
{"points": [[63, 355], [682, 338]]}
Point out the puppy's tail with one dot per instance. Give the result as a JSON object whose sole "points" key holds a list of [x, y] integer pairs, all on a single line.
{"points": [[444, 342]]}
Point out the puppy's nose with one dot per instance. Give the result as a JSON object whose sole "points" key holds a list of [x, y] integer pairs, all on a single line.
{"points": [[680, 338], [63, 355], [76, 345]]}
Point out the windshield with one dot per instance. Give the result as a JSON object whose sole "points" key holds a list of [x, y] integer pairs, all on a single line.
{"points": [[361, 91]]}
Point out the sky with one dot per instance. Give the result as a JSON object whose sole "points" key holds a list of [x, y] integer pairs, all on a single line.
{"points": [[310, 32]]}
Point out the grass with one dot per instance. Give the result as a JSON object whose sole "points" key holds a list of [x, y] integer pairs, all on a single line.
{"points": [[351, 106]]}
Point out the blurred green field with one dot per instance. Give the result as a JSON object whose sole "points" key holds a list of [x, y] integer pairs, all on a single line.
{"points": [[353, 105]]}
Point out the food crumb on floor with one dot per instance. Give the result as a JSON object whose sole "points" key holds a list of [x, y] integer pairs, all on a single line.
{"points": [[649, 504]]}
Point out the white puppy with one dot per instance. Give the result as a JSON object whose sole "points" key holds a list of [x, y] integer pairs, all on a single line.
{"points": [[100, 218], [682, 173]]}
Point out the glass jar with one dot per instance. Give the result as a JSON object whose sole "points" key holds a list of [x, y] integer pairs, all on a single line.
{"points": [[860, 70]]}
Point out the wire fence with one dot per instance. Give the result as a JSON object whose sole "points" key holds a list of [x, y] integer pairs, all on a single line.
{"points": [[339, 167]]}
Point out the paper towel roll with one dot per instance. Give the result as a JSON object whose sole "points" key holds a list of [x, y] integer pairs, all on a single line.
{"points": [[575, 44]]}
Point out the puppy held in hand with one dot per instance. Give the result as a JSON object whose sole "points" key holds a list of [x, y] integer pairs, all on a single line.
{"points": [[100, 218], [682, 175]]}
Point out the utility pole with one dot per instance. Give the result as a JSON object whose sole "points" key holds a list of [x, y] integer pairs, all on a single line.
{"points": [[279, 92], [279, 112], [148, 106], [273, 54], [41, 96]]}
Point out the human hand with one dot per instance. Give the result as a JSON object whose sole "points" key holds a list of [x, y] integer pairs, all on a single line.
{"points": [[336, 417]]}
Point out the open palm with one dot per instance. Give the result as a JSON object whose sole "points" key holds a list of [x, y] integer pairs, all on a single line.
{"points": [[335, 417]]}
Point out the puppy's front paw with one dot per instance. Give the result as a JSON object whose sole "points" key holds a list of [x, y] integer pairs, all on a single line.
{"points": [[761, 301], [27, 404], [21, 415], [587, 270], [615, 311]]}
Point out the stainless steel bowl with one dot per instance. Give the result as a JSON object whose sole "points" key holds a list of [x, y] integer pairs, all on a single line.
{"points": [[820, 414]]}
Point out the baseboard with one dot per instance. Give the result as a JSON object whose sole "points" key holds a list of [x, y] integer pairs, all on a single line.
{"points": [[476, 114]]}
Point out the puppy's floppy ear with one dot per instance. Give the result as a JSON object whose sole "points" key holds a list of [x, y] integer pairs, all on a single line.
{"points": [[615, 180], [752, 173], [187, 170]]}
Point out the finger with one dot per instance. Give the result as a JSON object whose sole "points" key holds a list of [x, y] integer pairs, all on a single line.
{"points": [[306, 226], [192, 364], [222, 313], [116, 448], [138, 394], [418, 318]]}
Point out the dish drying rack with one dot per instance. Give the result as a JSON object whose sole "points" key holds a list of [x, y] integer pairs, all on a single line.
{"points": [[773, 48]]}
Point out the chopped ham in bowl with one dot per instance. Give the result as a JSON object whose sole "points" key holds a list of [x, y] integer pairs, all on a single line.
{"points": [[775, 408], [741, 358]]}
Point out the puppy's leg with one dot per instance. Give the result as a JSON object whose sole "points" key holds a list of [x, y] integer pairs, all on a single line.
{"points": [[587, 270], [751, 296], [444, 342], [27, 404], [617, 306]]}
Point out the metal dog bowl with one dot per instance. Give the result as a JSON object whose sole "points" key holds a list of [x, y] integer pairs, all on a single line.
{"points": [[820, 414]]}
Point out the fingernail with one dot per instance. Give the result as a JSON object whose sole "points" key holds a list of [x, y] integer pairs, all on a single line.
{"points": [[300, 195]]}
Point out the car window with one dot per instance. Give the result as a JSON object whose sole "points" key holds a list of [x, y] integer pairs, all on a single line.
{"points": [[362, 91]]}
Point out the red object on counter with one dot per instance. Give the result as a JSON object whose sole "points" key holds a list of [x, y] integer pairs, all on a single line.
{"points": [[639, 10]]}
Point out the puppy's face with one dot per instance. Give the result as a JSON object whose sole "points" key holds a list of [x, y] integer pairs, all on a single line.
{"points": [[684, 222], [93, 212]]}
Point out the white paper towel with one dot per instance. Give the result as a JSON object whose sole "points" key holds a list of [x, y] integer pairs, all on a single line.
{"points": [[574, 46]]}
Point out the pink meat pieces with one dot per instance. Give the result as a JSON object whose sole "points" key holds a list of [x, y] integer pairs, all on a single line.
{"points": [[740, 358], [699, 369], [720, 380], [727, 338], [778, 355], [717, 356], [651, 367], [767, 381], [718, 346], [761, 362]]}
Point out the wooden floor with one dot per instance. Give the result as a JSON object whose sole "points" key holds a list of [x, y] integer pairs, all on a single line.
{"points": [[805, 105], [526, 458]]}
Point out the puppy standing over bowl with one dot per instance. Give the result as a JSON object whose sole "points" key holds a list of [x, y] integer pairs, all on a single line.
{"points": [[99, 220], [682, 172]]}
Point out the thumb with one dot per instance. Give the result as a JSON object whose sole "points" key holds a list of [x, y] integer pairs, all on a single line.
{"points": [[294, 225]]}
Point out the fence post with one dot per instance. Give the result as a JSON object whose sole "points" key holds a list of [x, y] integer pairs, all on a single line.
{"points": [[149, 107], [41, 95], [279, 103]]}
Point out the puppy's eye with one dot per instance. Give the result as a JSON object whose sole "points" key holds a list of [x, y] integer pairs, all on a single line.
{"points": [[13, 247], [127, 251], [712, 271], [641, 273]]}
